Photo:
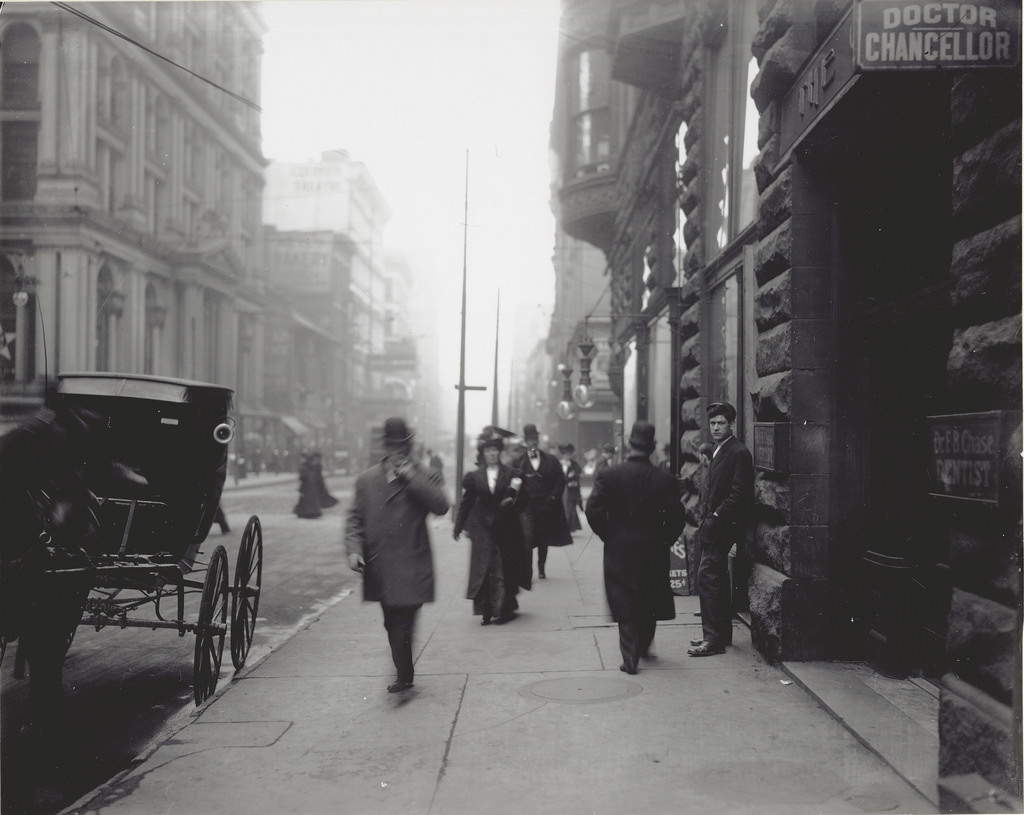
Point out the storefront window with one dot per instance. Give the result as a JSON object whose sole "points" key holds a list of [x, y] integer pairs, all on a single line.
{"points": [[732, 192], [658, 411], [680, 215], [724, 341]]}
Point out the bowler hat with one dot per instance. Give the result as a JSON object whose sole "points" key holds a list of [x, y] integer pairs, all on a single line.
{"points": [[530, 432], [566, 448], [722, 409], [642, 436], [396, 433]]}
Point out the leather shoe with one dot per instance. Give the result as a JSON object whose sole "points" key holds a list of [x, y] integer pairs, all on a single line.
{"points": [[696, 642], [706, 649], [541, 575], [485, 621], [627, 670], [398, 687]]}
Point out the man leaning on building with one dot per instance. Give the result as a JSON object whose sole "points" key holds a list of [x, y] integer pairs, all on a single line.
{"points": [[725, 505]]}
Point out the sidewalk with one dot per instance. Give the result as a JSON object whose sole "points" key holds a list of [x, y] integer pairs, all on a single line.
{"points": [[535, 717]]}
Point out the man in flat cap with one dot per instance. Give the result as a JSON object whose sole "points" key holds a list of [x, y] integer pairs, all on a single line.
{"points": [[726, 501], [635, 509], [387, 541]]}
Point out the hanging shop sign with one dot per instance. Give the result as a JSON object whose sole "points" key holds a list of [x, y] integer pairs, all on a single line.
{"points": [[967, 454], [896, 35]]}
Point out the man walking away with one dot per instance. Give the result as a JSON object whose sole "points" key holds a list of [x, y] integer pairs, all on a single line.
{"points": [[726, 502], [635, 509], [387, 541]]}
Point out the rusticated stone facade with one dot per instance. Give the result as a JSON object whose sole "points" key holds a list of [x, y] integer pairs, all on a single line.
{"points": [[790, 590]]}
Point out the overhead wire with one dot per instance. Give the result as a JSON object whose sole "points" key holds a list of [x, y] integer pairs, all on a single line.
{"points": [[121, 35]]}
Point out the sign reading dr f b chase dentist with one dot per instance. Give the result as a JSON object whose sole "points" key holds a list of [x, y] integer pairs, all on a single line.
{"points": [[899, 35]]}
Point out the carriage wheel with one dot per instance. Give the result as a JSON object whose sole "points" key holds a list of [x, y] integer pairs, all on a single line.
{"points": [[211, 628], [245, 600]]}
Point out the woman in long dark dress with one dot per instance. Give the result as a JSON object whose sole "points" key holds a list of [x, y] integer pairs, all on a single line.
{"points": [[308, 505], [487, 513], [571, 497]]}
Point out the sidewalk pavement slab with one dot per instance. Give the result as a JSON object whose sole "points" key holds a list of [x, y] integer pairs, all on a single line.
{"points": [[528, 717]]}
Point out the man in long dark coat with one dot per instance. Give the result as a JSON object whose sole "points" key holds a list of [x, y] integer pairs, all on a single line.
{"points": [[541, 516], [725, 505], [387, 541], [635, 509]]}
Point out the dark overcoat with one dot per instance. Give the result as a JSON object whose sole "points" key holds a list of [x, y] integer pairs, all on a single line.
{"points": [[571, 497], [491, 525], [387, 525], [727, 499], [542, 494], [635, 509]]}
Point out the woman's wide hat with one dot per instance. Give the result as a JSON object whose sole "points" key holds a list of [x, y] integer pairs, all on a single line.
{"points": [[492, 436]]}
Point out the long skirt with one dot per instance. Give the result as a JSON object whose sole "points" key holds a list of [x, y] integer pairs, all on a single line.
{"points": [[570, 501], [493, 598]]}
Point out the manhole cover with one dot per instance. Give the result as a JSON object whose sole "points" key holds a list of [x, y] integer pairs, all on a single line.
{"points": [[581, 690]]}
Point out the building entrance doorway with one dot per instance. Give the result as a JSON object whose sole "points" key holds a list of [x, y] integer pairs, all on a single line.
{"points": [[890, 183]]}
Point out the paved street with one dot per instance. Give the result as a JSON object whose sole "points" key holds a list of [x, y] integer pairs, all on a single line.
{"points": [[126, 689], [530, 717]]}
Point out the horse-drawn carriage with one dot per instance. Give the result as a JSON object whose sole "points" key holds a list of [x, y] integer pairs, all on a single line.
{"points": [[151, 454]]}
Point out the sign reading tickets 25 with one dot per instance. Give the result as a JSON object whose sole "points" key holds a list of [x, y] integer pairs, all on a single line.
{"points": [[899, 35]]}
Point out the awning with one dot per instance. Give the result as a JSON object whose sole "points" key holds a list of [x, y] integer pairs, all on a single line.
{"points": [[294, 425]]}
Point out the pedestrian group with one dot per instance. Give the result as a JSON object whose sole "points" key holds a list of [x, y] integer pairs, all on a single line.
{"points": [[517, 501]]}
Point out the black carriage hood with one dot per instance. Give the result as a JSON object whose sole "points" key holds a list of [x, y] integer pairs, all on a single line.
{"points": [[139, 386]]}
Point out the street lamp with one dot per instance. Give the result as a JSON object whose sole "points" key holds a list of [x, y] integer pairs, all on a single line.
{"points": [[583, 394], [566, 410]]}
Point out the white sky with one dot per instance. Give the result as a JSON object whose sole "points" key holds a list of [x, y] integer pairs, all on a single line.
{"points": [[407, 87]]}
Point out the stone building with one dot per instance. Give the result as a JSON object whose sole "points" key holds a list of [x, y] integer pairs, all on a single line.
{"points": [[130, 195], [816, 204]]}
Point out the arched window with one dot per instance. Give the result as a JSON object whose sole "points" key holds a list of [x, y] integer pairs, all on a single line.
{"points": [[118, 93], [17, 325], [155, 314], [20, 66], [19, 117], [109, 307]]}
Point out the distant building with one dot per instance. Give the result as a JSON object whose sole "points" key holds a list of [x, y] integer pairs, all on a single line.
{"points": [[130, 197], [326, 257]]}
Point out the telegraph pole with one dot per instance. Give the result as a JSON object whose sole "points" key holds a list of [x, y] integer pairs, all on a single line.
{"points": [[462, 387], [494, 399]]}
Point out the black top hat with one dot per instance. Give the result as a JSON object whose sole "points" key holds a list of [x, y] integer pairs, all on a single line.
{"points": [[722, 409], [396, 433], [530, 432], [642, 436]]}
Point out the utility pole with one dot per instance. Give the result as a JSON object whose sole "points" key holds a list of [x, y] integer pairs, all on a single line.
{"points": [[462, 387], [494, 398]]}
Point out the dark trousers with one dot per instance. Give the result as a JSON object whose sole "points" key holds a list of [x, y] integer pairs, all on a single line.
{"points": [[399, 622], [635, 640], [715, 593], [533, 538]]}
